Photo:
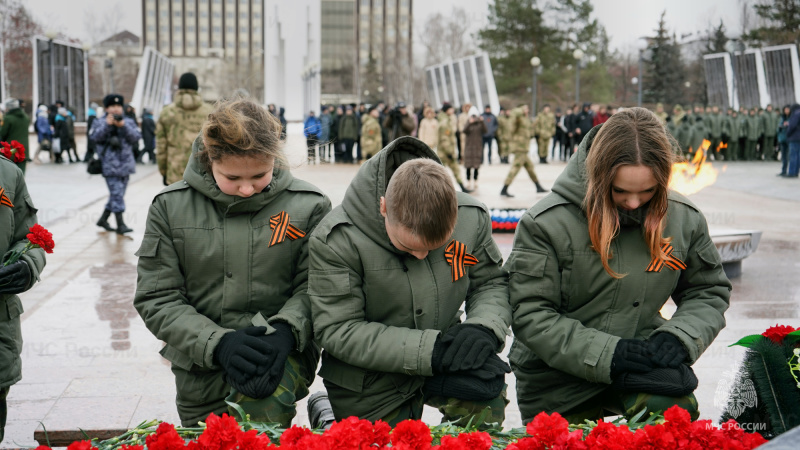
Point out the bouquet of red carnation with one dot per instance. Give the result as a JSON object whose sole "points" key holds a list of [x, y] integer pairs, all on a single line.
{"points": [[38, 237], [13, 151], [766, 391]]}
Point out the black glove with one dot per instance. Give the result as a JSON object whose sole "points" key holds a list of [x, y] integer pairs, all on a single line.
{"points": [[463, 386], [243, 354], [667, 350], [264, 384], [631, 355], [492, 368], [463, 347], [15, 278], [659, 381]]}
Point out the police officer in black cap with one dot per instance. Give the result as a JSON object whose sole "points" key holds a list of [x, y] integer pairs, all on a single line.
{"points": [[399, 122], [115, 137]]}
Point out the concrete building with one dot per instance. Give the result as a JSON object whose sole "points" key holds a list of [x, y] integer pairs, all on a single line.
{"points": [[230, 32], [292, 56], [366, 50]]}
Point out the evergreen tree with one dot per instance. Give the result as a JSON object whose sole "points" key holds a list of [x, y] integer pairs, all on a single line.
{"points": [[717, 39], [664, 71], [520, 29], [781, 23]]}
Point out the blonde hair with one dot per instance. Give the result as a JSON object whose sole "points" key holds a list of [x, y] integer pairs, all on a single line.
{"points": [[421, 198], [634, 136], [240, 127], [426, 111]]}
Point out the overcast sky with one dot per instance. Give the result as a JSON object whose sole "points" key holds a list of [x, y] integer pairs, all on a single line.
{"points": [[624, 20]]}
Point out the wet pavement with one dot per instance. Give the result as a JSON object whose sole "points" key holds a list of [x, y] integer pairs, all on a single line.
{"points": [[89, 362]]}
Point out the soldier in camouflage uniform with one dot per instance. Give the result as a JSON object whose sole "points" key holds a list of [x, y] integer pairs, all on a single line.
{"points": [[752, 134], [504, 133], [177, 127], [769, 126], [661, 114], [731, 128], [371, 139], [714, 123], [448, 127], [520, 143], [544, 127]]}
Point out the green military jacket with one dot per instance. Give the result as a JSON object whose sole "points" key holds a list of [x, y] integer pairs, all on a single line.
{"points": [[699, 134], [521, 132], [177, 126], [15, 128], [713, 124], [731, 127], [14, 224], [769, 123], [569, 313], [377, 309], [371, 141], [503, 127], [447, 135], [545, 125], [348, 127], [206, 266], [754, 129]]}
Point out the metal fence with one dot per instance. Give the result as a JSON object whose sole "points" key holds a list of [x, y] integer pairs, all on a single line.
{"points": [[60, 72]]}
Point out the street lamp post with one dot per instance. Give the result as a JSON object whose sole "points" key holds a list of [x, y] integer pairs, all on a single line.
{"points": [[733, 46], [641, 64], [535, 63], [578, 55], [635, 82], [110, 55]]}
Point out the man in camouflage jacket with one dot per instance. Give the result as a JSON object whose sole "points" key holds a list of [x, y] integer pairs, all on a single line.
{"points": [[177, 127]]}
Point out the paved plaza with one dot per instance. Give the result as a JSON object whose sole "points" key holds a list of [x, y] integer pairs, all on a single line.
{"points": [[89, 362]]}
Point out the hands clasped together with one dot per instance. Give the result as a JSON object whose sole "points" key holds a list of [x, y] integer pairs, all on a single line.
{"points": [[466, 366], [254, 361], [656, 366]]}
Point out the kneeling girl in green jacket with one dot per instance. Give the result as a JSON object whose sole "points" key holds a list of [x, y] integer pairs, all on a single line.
{"points": [[591, 267], [390, 270], [223, 271]]}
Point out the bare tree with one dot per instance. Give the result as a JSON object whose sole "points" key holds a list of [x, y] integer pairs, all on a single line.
{"points": [[446, 38]]}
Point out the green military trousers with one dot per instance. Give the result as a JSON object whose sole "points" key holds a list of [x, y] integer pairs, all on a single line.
{"points": [[202, 392], [450, 162], [396, 397], [611, 403], [521, 160], [543, 143]]}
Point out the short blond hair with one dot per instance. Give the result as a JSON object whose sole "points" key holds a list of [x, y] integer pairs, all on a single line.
{"points": [[421, 198]]}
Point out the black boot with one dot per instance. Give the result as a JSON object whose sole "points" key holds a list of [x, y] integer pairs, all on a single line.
{"points": [[542, 160], [320, 412], [505, 192], [103, 222], [539, 187], [463, 188], [121, 227]]}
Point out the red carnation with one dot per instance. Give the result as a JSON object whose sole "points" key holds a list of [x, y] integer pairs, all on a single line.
{"points": [[381, 431], [81, 445], [452, 443], [778, 332], [220, 433], [165, 438], [40, 236], [413, 433], [131, 447], [5, 150], [526, 444], [292, 436], [547, 428], [251, 440], [19, 151]]}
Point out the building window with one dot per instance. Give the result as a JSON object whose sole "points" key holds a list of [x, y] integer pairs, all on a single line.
{"points": [[204, 44], [217, 29], [230, 14], [256, 30], [217, 14], [151, 28], [204, 14], [190, 14], [256, 15], [177, 28], [243, 30], [204, 29], [243, 15], [164, 13], [164, 29], [190, 29], [230, 29], [177, 14]]}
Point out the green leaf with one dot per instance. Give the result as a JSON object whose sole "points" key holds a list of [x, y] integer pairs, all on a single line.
{"points": [[239, 411], [748, 341], [635, 419]]}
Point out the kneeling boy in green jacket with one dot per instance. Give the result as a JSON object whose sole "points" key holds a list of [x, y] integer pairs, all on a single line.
{"points": [[390, 269]]}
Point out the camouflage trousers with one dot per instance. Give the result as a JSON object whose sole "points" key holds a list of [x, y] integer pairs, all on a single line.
{"points": [[542, 143], [3, 411], [521, 160], [394, 398], [504, 148], [200, 394], [610, 402], [451, 163], [116, 193]]}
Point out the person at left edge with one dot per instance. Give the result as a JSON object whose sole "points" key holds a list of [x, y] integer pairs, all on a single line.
{"points": [[115, 136], [17, 215], [223, 271]]}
